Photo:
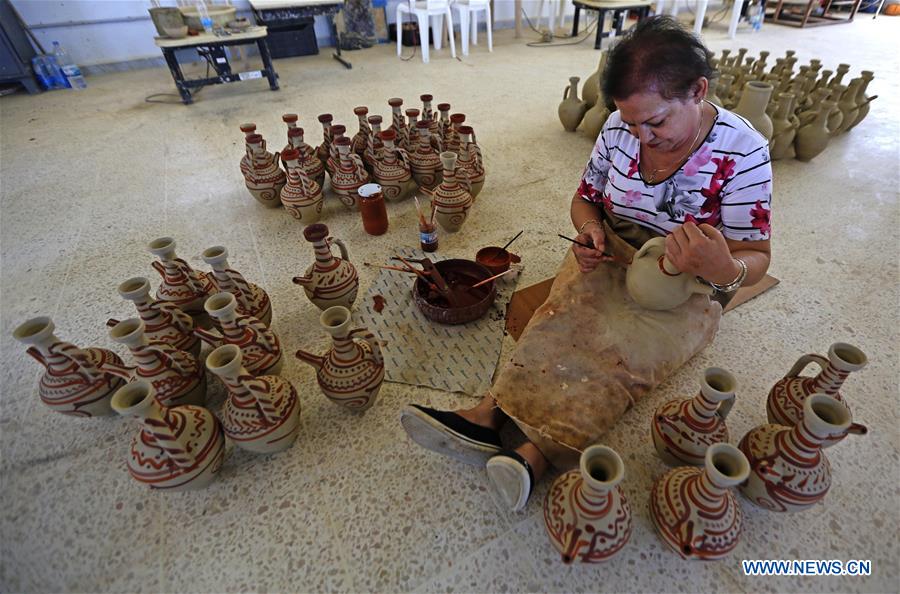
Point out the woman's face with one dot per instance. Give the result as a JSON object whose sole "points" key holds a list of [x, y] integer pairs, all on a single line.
{"points": [[661, 124]]}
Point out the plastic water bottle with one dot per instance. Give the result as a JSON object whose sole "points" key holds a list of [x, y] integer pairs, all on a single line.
{"points": [[69, 68], [205, 19], [755, 14], [48, 73]]}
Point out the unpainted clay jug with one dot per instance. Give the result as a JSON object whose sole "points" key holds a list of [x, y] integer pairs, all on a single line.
{"points": [[586, 514], [398, 124], [259, 345], [812, 138], [262, 413], [571, 109], [784, 405], [350, 174], [75, 381], [323, 151], [392, 170], [724, 90], [788, 468], [163, 321], [836, 117], [181, 285], [654, 283], [753, 104], [301, 196], [176, 376], [711, 93], [451, 200], [784, 129], [590, 90], [328, 281], [848, 105], [351, 372], [593, 121], [863, 100], [694, 509], [470, 163], [424, 161], [308, 158], [178, 448], [265, 178], [684, 429], [252, 300], [248, 129]]}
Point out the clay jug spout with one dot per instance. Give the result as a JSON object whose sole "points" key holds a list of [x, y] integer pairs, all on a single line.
{"points": [[858, 429], [303, 281], [310, 359]]}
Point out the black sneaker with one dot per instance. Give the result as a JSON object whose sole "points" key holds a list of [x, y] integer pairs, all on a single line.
{"points": [[449, 434]]}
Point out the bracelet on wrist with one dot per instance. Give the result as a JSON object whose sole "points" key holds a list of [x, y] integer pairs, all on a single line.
{"points": [[736, 283], [585, 224]]}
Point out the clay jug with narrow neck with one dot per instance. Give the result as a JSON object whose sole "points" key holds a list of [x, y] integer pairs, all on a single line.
{"points": [[328, 281], [181, 285], [783, 128], [571, 109], [753, 104], [451, 200], [863, 100], [301, 196], [307, 156], [812, 138], [163, 322], [252, 300]]}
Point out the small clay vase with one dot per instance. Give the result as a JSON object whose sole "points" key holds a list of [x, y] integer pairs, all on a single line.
{"points": [[571, 109], [784, 405], [374, 145], [334, 158], [470, 164], [323, 151], [351, 372], [247, 129], [593, 121], [290, 120], [392, 170], [784, 129], [654, 283], [75, 381], [350, 174], [252, 300], [301, 195], [788, 468], [163, 322], [586, 514], [328, 281], [590, 90], [262, 413], [260, 348], [181, 285], [398, 124], [863, 100], [361, 139], [452, 142], [178, 448], [848, 105], [753, 106], [451, 200], [812, 138], [308, 157], [684, 429], [372, 209], [424, 161], [694, 510], [265, 178], [176, 376]]}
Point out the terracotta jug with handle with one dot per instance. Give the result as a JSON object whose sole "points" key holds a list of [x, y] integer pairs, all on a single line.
{"points": [[654, 283]]}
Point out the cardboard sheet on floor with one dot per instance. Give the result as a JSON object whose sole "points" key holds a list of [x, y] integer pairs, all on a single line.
{"points": [[420, 352]]}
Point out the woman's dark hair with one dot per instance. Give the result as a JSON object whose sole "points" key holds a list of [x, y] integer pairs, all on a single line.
{"points": [[657, 54]]}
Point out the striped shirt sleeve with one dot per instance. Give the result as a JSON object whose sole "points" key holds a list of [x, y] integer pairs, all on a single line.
{"points": [[746, 193]]}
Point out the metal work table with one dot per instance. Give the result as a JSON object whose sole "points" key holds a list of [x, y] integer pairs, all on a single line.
{"points": [[212, 47], [271, 11]]}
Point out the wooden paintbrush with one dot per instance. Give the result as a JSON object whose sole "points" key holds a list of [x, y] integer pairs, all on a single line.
{"points": [[487, 280], [582, 244]]}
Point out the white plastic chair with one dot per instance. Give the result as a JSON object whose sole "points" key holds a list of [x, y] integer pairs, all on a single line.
{"points": [[698, 16], [467, 11], [552, 7], [437, 10]]}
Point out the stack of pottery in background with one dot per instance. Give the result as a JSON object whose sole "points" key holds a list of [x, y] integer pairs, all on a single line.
{"points": [[797, 112]]}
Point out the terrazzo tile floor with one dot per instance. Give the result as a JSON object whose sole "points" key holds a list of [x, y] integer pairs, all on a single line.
{"points": [[89, 178]]}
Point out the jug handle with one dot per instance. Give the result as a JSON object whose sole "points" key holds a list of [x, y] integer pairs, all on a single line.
{"points": [[805, 360], [370, 340], [566, 93], [263, 333], [725, 407], [210, 337], [341, 246]]}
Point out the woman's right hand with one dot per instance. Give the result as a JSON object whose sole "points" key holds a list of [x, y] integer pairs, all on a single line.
{"points": [[589, 259]]}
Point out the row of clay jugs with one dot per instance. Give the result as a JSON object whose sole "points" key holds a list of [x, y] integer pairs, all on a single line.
{"points": [[586, 514], [163, 321], [784, 129], [784, 405], [352, 371], [753, 104], [76, 381], [451, 200], [328, 281], [571, 109], [178, 447], [812, 138], [252, 300], [350, 173], [655, 283], [264, 179], [307, 157], [181, 285], [392, 169], [262, 413], [470, 163], [259, 345], [301, 196], [424, 160]]}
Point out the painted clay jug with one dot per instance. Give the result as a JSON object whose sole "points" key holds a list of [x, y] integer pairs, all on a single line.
{"points": [[470, 163], [571, 109], [392, 169], [812, 138], [360, 140], [176, 376], [262, 413], [586, 514], [783, 128], [412, 118], [181, 285], [252, 300], [848, 106], [163, 321], [654, 283], [590, 91], [265, 178], [290, 120], [398, 123], [75, 381], [451, 200], [334, 158], [351, 372], [753, 106], [178, 448], [594, 119], [308, 158], [452, 143], [863, 100], [247, 129], [784, 405], [323, 151], [328, 281], [428, 115], [350, 174], [444, 123], [374, 145], [694, 509], [424, 161], [788, 468], [260, 348], [684, 429], [301, 196]]}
